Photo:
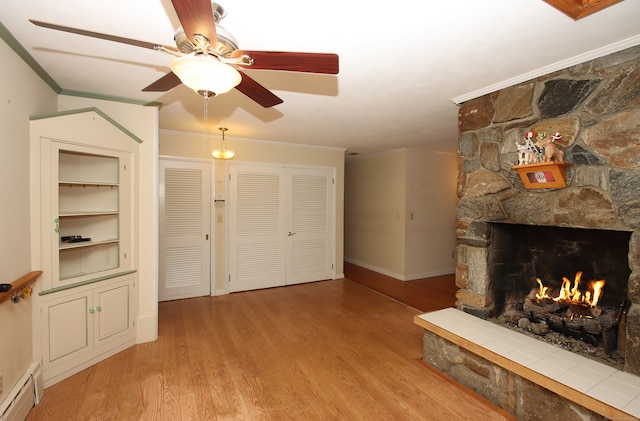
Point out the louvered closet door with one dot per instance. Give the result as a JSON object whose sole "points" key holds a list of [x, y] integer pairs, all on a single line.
{"points": [[309, 215], [280, 226], [256, 228], [184, 229]]}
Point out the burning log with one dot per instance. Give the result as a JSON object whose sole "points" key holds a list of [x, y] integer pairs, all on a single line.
{"points": [[574, 312], [571, 316]]}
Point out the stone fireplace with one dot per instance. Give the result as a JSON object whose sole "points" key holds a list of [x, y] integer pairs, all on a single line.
{"points": [[508, 235], [596, 108]]}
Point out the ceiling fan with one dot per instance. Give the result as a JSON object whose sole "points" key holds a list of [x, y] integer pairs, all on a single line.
{"points": [[207, 55]]}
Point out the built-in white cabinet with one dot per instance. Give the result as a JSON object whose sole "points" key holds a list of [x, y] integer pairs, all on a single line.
{"points": [[85, 325], [82, 198]]}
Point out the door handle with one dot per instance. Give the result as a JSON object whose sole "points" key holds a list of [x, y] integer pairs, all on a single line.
{"points": [[291, 233]]}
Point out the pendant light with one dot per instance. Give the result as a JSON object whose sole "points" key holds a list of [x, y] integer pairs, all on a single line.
{"points": [[223, 152]]}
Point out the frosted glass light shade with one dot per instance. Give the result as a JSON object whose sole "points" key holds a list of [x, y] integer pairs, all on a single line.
{"points": [[205, 74], [223, 154]]}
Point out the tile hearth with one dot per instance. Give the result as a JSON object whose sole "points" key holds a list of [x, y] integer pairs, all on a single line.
{"points": [[577, 378]]}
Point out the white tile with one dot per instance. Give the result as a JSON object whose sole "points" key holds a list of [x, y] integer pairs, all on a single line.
{"points": [[627, 379], [479, 338], [522, 358], [596, 369], [499, 347], [555, 364], [617, 390], [633, 408], [569, 358], [578, 379], [615, 396]]}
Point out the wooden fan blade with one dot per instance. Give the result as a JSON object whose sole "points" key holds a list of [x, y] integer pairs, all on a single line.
{"points": [[257, 92], [293, 62], [196, 18], [107, 37], [165, 83]]}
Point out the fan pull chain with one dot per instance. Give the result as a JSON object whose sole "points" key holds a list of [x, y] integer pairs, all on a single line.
{"points": [[206, 116]]}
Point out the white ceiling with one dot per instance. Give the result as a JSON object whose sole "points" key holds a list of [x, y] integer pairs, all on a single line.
{"points": [[402, 62]]}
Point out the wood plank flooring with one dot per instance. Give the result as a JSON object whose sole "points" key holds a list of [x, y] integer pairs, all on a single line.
{"points": [[330, 350], [426, 294]]}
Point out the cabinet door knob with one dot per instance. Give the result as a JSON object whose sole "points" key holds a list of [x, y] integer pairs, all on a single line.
{"points": [[98, 308], [57, 222], [91, 310]]}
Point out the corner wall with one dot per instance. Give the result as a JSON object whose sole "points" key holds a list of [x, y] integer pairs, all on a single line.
{"points": [[400, 213], [22, 93]]}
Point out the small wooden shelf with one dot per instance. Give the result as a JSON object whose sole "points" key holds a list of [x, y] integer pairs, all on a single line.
{"points": [[543, 175], [19, 283]]}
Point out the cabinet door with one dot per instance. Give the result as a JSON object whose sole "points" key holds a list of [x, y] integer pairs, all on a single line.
{"points": [[112, 312], [68, 329]]}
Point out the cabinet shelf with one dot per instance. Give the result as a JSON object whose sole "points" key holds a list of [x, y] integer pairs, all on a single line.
{"points": [[82, 213], [72, 184], [83, 244]]}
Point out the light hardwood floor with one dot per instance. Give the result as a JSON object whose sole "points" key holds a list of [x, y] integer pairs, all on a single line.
{"points": [[330, 350]]}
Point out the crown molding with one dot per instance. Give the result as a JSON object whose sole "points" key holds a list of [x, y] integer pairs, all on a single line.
{"points": [[563, 64], [15, 45]]}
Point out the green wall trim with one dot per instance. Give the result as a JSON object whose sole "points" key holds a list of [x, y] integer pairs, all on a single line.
{"points": [[15, 45], [104, 97], [27, 58], [86, 110]]}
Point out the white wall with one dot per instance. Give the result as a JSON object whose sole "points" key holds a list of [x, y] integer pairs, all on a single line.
{"points": [[400, 213], [431, 199], [193, 145], [22, 93], [375, 211]]}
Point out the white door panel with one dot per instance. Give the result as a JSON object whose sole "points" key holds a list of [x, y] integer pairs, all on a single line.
{"points": [[184, 230], [309, 215], [256, 227]]}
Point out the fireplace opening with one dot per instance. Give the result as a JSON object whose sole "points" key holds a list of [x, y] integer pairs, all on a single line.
{"points": [[524, 259]]}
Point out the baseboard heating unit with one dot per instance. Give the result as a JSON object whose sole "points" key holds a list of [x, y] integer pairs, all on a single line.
{"points": [[25, 394]]}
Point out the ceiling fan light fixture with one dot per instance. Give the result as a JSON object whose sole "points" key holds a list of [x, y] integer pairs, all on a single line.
{"points": [[206, 75]]}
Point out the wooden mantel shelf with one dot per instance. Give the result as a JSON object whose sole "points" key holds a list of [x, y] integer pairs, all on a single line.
{"points": [[578, 9], [20, 283]]}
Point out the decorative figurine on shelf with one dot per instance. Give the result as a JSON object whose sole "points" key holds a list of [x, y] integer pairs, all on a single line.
{"points": [[539, 147], [551, 151], [529, 153]]}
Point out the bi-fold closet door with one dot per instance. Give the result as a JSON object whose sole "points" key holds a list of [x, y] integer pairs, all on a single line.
{"points": [[281, 228]]}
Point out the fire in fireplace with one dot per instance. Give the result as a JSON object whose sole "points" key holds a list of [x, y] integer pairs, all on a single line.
{"points": [[575, 312]]}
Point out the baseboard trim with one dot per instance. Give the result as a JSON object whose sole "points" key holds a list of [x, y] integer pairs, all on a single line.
{"points": [[398, 276]]}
